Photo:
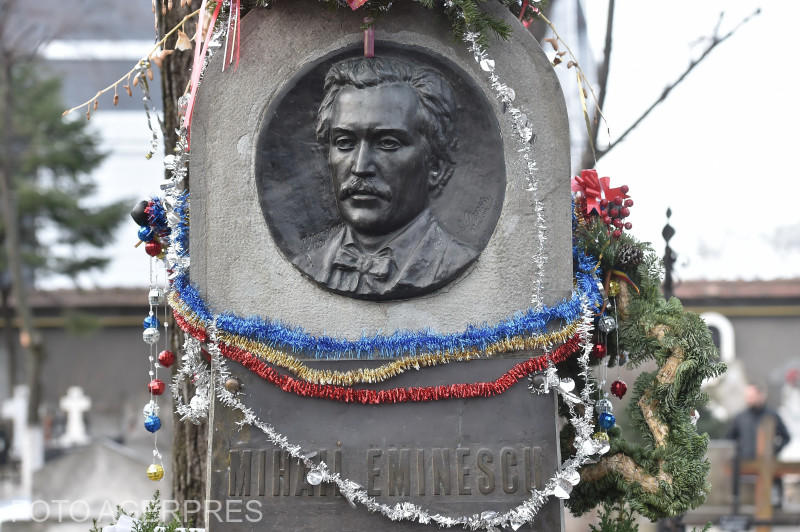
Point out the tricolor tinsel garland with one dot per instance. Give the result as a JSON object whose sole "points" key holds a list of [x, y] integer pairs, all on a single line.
{"points": [[295, 339], [193, 325], [346, 394]]}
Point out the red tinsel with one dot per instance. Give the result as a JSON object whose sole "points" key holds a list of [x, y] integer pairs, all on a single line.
{"points": [[399, 395], [347, 394]]}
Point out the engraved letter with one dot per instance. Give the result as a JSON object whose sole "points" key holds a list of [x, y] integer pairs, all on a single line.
{"points": [[373, 471], [462, 472], [508, 459], [441, 471], [421, 472], [486, 482], [281, 470], [239, 474], [399, 472], [262, 472]]}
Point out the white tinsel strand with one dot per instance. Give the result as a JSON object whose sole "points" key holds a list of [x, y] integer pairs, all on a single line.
{"points": [[525, 138], [355, 493]]}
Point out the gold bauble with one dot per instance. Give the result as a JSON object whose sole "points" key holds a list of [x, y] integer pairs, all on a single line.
{"points": [[155, 472], [600, 436], [613, 288]]}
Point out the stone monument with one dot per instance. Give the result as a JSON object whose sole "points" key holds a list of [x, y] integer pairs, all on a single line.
{"points": [[352, 197]]}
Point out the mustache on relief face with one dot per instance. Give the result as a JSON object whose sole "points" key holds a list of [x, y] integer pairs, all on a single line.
{"points": [[361, 186]]}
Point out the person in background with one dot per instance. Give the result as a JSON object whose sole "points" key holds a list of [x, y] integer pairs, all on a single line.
{"points": [[744, 429]]}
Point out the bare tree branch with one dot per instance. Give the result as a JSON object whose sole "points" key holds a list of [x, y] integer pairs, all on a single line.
{"points": [[715, 41], [602, 83]]}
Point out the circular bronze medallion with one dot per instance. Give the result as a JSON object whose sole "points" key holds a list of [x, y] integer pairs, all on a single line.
{"points": [[381, 178]]}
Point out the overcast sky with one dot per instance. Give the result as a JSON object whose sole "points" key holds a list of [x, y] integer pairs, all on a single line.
{"points": [[718, 152]]}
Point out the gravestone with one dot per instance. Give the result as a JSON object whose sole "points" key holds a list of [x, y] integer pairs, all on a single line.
{"points": [[279, 230], [75, 403]]}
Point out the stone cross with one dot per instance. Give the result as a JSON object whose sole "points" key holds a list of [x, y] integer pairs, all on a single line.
{"points": [[75, 403], [16, 409]]}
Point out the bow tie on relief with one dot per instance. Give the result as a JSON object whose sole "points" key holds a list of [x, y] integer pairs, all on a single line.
{"points": [[377, 265]]}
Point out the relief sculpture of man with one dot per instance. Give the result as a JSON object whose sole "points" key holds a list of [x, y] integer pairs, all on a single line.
{"points": [[388, 127]]}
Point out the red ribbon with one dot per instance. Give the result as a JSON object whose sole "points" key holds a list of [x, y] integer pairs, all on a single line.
{"points": [[596, 189], [355, 4], [199, 60]]}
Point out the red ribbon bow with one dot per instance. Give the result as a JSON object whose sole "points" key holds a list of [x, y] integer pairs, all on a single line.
{"points": [[596, 189]]}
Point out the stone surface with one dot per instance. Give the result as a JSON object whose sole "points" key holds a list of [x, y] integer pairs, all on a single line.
{"points": [[239, 268]]}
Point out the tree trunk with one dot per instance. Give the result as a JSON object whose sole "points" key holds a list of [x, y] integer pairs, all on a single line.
{"points": [[189, 444], [8, 334]]}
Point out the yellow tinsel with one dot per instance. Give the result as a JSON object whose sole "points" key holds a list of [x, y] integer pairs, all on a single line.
{"points": [[386, 371]]}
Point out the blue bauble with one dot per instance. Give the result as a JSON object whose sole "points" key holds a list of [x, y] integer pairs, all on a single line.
{"points": [[606, 420], [151, 322], [146, 234], [152, 423]]}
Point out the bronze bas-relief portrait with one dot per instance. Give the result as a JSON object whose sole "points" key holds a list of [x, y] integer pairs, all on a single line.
{"points": [[380, 178], [387, 126]]}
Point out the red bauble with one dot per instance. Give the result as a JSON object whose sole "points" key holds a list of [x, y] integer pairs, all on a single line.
{"points": [[629, 203], [156, 386], [619, 388], [166, 358], [617, 233], [152, 248], [625, 212], [599, 351]]}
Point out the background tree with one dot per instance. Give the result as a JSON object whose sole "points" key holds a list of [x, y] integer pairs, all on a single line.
{"points": [[48, 226]]}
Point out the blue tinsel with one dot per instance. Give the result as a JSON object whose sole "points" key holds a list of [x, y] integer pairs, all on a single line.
{"points": [[277, 334], [181, 235], [156, 215]]}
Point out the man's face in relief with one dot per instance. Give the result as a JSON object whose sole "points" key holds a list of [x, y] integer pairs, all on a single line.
{"points": [[378, 158]]}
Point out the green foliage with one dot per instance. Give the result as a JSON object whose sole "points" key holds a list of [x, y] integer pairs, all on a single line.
{"points": [[49, 159], [149, 520], [474, 18], [682, 457], [616, 518]]}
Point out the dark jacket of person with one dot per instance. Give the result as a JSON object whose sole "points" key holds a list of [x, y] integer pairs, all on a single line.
{"points": [[744, 430]]}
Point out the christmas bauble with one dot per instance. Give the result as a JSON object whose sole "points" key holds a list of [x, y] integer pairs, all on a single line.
{"points": [[152, 423], [619, 388], [606, 420], [156, 386], [151, 335], [166, 358], [152, 248], [599, 351], [138, 214], [155, 472]]}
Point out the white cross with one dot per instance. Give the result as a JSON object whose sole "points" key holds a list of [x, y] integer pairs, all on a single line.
{"points": [[16, 409], [75, 403]]}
